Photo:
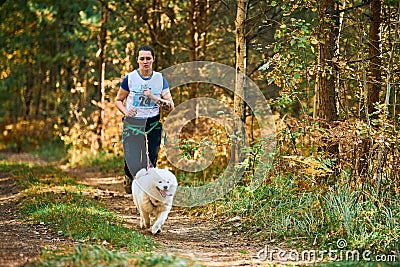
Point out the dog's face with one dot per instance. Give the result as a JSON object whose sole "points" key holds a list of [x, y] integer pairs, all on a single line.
{"points": [[160, 184], [165, 182], [163, 187]]}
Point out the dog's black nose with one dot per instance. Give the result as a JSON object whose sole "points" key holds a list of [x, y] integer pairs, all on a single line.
{"points": [[165, 187]]}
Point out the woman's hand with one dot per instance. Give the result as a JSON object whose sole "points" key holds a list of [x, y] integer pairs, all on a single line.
{"points": [[165, 104], [147, 92], [131, 113]]}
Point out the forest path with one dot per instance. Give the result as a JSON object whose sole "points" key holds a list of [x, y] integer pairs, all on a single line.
{"points": [[183, 235]]}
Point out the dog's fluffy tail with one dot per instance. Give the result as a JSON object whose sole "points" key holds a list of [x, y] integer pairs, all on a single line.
{"points": [[140, 173]]}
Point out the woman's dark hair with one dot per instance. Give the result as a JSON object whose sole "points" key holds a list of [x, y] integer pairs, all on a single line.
{"points": [[145, 48]]}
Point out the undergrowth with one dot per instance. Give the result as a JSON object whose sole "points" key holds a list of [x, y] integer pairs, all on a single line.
{"points": [[52, 151], [316, 218], [106, 161]]}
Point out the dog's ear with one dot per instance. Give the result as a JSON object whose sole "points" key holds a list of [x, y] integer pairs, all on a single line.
{"points": [[140, 173]]}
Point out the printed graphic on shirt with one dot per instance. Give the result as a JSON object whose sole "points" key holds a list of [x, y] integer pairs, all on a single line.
{"points": [[140, 100]]}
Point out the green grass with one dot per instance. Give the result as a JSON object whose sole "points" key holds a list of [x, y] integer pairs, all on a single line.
{"points": [[93, 256], [90, 255], [53, 151], [83, 219], [105, 161], [29, 176], [24, 169], [316, 218]]}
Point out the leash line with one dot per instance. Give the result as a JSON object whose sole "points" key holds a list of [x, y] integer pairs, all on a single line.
{"points": [[147, 151], [136, 130]]}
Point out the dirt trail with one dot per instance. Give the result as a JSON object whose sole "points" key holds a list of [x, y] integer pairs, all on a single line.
{"points": [[21, 243], [183, 235]]}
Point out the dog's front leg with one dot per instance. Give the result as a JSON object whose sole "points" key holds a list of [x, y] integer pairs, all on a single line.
{"points": [[145, 220], [162, 217], [141, 219]]}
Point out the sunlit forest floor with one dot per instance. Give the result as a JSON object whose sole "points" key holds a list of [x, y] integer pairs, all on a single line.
{"points": [[184, 234]]}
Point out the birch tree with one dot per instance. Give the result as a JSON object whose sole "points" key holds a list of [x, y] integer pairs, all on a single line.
{"points": [[241, 53]]}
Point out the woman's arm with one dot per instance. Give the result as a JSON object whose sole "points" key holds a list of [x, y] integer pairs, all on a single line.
{"points": [[165, 101], [166, 98], [119, 103]]}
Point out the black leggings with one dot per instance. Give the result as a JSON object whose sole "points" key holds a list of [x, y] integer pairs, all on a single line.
{"points": [[135, 145]]}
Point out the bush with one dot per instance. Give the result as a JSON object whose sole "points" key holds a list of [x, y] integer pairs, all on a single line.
{"points": [[24, 135]]}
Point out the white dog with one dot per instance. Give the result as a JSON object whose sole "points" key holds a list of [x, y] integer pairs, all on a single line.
{"points": [[153, 192]]}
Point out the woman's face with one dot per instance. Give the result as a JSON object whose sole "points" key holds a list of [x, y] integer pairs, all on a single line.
{"points": [[145, 60]]}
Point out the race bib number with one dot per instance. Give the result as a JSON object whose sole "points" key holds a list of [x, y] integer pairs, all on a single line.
{"points": [[140, 100]]}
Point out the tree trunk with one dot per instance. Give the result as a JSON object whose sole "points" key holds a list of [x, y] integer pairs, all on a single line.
{"points": [[102, 66], [241, 57], [325, 107], [193, 42], [192, 31], [373, 84], [40, 109], [28, 92], [241, 52], [374, 53]]}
